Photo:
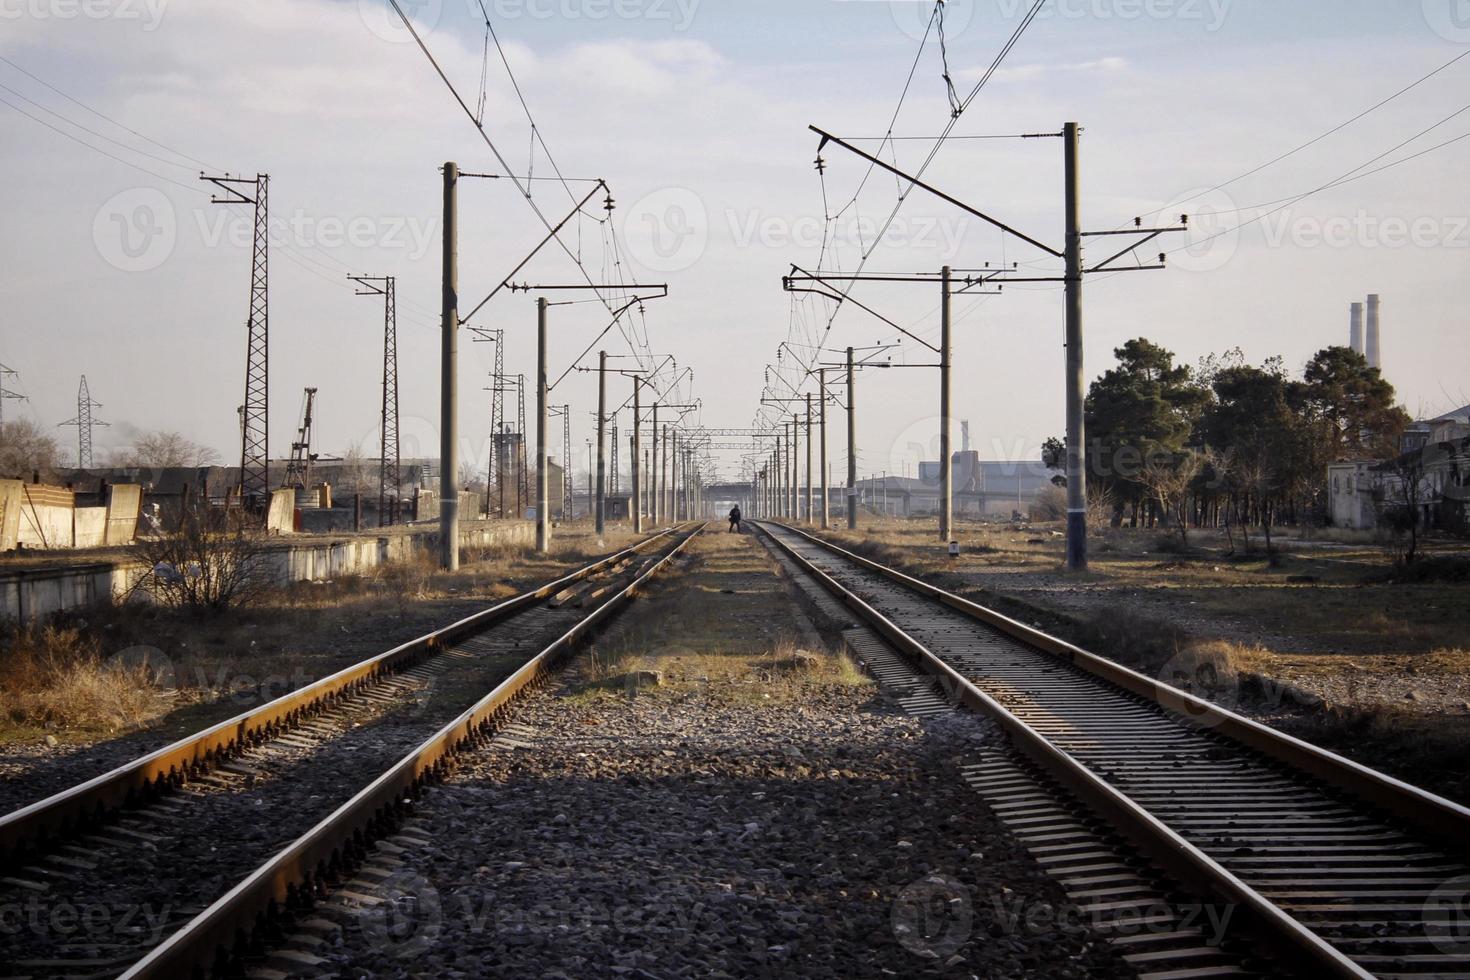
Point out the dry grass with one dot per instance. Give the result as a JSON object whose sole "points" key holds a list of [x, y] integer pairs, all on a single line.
{"points": [[726, 628], [60, 681], [56, 677]]}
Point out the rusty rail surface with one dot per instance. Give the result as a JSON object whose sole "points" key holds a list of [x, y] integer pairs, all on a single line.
{"points": [[206, 943], [1440, 818], [61, 814]]}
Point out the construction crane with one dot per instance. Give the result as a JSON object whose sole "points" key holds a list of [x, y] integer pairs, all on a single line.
{"points": [[298, 470]]}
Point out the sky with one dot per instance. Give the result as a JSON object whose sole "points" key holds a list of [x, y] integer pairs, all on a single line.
{"points": [[114, 264]]}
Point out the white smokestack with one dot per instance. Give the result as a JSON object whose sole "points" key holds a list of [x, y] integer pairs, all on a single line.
{"points": [[1371, 348], [1355, 327]]}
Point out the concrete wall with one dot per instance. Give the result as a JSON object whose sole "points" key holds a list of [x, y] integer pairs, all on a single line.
{"points": [[29, 593], [45, 516], [89, 527], [9, 513], [124, 504]]}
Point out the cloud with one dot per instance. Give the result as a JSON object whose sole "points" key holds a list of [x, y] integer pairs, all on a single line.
{"points": [[1031, 72]]}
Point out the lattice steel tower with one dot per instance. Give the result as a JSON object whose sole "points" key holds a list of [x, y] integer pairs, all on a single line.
{"points": [[389, 462], [254, 428], [5, 392], [566, 462], [84, 422], [523, 492], [493, 482]]}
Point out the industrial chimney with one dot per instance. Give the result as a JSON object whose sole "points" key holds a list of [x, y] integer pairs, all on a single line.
{"points": [[1371, 347], [1355, 327]]}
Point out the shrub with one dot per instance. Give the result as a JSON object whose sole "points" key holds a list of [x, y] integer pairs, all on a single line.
{"points": [[201, 568]]}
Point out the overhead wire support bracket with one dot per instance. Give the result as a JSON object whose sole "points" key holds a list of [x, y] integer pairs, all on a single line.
{"points": [[916, 182], [788, 284], [550, 236]]}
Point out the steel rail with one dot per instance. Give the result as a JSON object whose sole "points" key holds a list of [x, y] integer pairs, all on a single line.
{"points": [[205, 943], [1444, 820], [1192, 866], [62, 813]]}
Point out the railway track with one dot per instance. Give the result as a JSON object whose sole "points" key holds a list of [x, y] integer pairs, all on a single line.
{"points": [[148, 849], [1336, 869]]}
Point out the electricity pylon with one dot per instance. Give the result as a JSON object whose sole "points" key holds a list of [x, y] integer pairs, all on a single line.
{"points": [[389, 482], [254, 427], [84, 422]]}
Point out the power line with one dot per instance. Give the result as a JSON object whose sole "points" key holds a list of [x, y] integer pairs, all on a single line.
{"points": [[1317, 139], [98, 149], [102, 115]]}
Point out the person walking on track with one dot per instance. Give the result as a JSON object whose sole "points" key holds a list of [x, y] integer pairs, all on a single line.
{"points": [[735, 519]]}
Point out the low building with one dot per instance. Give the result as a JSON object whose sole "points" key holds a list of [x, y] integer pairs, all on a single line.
{"points": [[1361, 492]]}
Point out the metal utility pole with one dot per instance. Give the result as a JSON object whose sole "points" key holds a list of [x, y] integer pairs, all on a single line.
{"points": [[613, 482], [298, 469], [810, 515], [523, 476], [84, 422], [254, 483], [388, 459], [1076, 453], [600, 504], [449, 379], [637, 445], [946, 456], [567, 497], [543, 526], [851, 446], [4, 392]]}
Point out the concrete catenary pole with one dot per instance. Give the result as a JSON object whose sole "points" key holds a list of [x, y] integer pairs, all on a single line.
{"points": [[1076, 428], [822, 386], [810, 512], [637, 446], [601, 447], [653, 472], [543, 526], [448, 379], [851, 446], [946, 467]]}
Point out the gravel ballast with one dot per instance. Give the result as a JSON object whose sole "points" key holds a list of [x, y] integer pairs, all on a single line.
{"points": [[716, 828]]}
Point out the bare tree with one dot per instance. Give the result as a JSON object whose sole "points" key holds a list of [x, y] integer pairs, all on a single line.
{"points": [[1402, 500], [25, 450], [353, 473], [202, 568], [1168, 478], [163, 449]]}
